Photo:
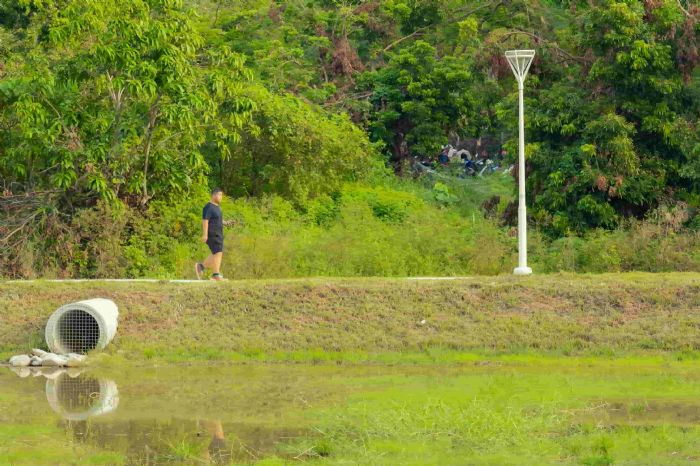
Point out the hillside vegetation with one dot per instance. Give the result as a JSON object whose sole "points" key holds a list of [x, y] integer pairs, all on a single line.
{"points": [[117, 117]]}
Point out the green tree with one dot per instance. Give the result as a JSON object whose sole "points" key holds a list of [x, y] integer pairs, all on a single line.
{"points": [[293, 149], [611, 135], [116, 99], [417, 99]]}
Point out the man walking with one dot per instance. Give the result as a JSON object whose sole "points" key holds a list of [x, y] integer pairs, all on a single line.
{"points": [[213, 236]]}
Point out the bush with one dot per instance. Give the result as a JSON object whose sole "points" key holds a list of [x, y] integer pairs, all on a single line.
{"points": [[385, 230], [364, 231], [639, 246], [297, 151]]}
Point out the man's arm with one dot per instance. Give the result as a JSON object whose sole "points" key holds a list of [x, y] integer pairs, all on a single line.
{"points": [[205, 230]]}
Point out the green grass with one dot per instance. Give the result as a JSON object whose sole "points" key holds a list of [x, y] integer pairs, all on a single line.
{"points": [[397, 230], [19, 445], [469, 193], [379, 320], [526, 410], [549, 369], [534, 415]]}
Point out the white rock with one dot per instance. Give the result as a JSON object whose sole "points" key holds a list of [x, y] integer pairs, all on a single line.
{"points": [[52, 373], [39, 353], [21, 371], [21, 360], [74, 372], [53, 360], [36, 361]]}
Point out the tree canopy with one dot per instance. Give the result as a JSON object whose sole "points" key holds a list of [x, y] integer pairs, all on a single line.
{"points": [[143, 99]]}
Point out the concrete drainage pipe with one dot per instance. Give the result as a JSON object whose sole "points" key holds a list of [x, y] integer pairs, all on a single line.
{"points": [[83, 326]]}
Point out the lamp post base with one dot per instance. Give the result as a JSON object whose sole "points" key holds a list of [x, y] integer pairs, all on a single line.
{"points": [[522, 271]]}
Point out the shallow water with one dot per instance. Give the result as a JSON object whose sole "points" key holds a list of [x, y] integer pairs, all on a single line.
{"points": [[247, 413]]}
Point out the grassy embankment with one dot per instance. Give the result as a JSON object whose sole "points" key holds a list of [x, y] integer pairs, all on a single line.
{"points": [[382, 320]]}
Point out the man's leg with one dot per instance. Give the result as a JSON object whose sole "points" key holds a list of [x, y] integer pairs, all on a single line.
{"points": [[216, 262], [209, 262]]}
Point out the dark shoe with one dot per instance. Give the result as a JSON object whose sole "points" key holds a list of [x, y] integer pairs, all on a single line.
{"points": [[217, 277], [199, 269]]}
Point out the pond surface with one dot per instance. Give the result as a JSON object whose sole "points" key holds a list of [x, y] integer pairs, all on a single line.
{"points": [[518, 413]]}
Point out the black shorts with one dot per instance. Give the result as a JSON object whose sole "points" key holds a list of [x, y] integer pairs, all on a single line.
{"points": [[216, 244]]}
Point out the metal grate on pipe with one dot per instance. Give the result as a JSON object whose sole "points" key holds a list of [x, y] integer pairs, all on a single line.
{"points": [[78, 331], [80, 397], [79, 394]]}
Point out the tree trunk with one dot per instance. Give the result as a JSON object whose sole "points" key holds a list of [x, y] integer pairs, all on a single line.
{"points": [[150, 126], [399, 155]]}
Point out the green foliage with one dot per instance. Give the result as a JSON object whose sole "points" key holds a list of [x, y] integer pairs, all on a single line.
{"points": [[292, 149], [386, 204], [609, 140], [114, 100], [124, 112], [612, 114], [417, 99], [442, 194], [655, 245], [364, 232], [386, 230]]}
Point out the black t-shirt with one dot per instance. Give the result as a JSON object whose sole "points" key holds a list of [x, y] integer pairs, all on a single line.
{"points": [[212, 212]]}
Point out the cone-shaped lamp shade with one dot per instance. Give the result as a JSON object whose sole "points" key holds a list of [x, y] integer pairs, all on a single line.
{"points": [[520, 61]]}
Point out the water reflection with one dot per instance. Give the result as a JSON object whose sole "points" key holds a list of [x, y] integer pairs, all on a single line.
{"points": [[218, 450], [79, 397], [245, 413], [157, 424], [73, 394]]}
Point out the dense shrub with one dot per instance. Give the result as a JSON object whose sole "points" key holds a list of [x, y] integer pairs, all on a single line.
{"points": [[296, 150], [385, 230], [363, 232], [639, 246]]}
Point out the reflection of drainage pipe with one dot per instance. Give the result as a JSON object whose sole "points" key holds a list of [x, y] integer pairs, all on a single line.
{"points": [[82, 397], [83, 326]]}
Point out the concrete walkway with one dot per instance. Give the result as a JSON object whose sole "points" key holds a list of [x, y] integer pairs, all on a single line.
{"points": [[156, 280], [107, 280]]}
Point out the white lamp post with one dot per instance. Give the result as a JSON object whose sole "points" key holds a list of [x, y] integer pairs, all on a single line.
{"points": [[520, 61]]}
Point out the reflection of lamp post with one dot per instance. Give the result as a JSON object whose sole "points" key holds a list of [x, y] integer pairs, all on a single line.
{"points": [[520, 61]]}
